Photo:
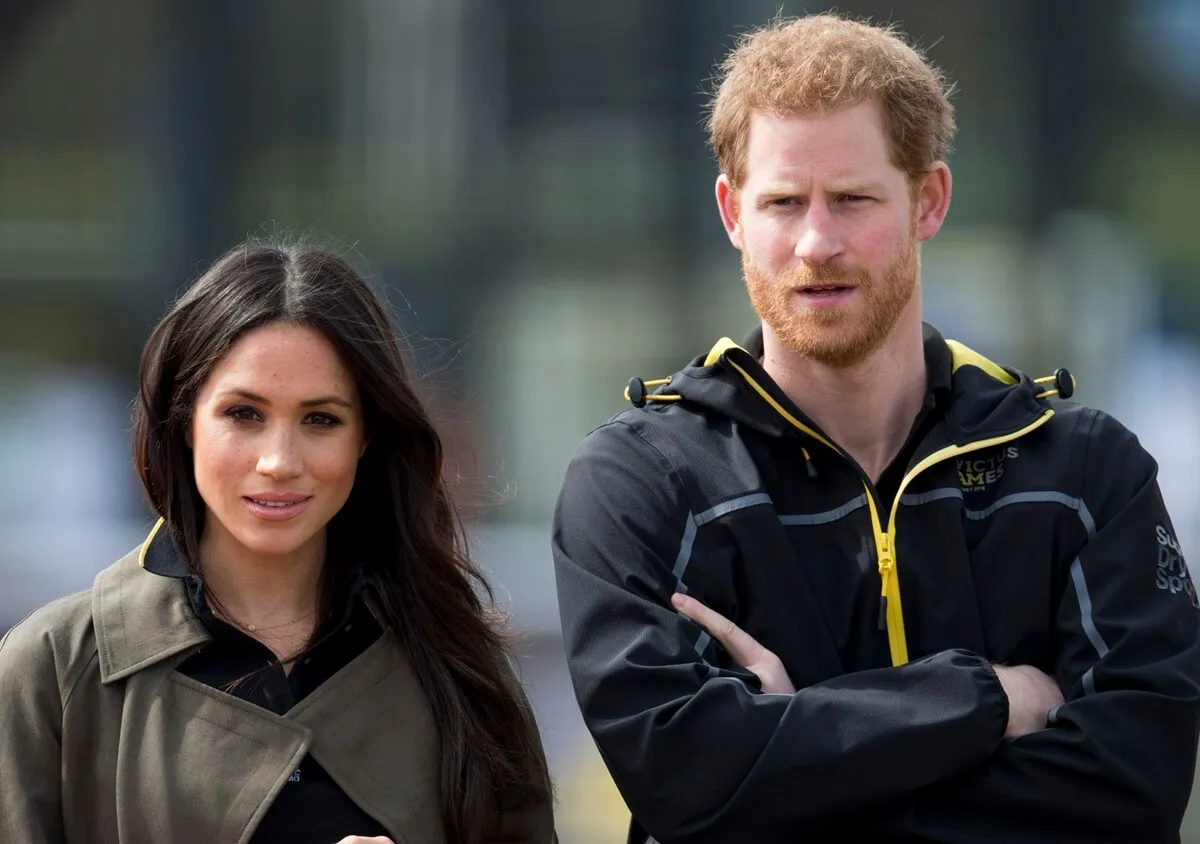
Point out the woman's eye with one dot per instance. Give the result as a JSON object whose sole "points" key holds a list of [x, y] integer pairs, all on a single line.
{"points": [[323, 420], [242, 413]]}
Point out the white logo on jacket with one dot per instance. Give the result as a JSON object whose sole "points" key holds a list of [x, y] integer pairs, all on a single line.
{"points": [[1173, 575]]}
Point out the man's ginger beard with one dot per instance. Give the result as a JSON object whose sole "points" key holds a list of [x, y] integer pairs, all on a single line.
{"points": [[840, 336]]}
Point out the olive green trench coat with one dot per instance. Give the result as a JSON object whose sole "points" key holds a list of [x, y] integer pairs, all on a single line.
{"points": [[103, 741]]}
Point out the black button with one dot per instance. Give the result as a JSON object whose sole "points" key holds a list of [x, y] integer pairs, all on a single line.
{"points": [[637, 392], [1065, 383]]}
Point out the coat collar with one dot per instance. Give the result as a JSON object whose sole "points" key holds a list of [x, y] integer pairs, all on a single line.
{"points": [[142, 612]]}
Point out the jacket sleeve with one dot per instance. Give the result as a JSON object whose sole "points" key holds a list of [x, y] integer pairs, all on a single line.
{"points": [[698, 753], [1117, 761], [30, 738]]}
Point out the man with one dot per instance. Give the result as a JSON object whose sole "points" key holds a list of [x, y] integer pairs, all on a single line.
{"points": [[852, 581]]}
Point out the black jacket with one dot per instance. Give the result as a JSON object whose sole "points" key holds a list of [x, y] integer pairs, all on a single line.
{"points": [[1026, 530]]}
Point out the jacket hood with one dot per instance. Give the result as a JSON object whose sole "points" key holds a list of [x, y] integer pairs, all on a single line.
{"points": [[982, 398]]}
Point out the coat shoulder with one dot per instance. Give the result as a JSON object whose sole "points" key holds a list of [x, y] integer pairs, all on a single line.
{"points": [[54, 623], [58, 636]]}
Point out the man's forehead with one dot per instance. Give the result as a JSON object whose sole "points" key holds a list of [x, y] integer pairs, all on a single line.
{"points": [[774, 185], [844, 148], [847, 130]]}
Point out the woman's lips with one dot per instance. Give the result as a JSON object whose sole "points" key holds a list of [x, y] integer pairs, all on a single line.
{"points": [[274, 507]]}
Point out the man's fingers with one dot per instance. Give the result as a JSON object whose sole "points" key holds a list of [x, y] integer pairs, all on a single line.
{"points": [[716, 624], [741, 645], [743, 648]]}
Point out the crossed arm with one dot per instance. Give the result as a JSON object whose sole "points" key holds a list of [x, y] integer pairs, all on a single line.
{"points": [[1031, 693]]}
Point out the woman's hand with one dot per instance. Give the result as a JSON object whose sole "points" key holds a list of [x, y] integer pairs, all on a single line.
{"points": [[359, 839], [741, 646]]}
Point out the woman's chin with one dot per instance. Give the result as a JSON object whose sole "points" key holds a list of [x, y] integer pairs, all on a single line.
{"points": [[274, 541]]}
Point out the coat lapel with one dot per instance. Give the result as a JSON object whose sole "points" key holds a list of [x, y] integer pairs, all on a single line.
{"points": [[374, 733], [238, 757]]}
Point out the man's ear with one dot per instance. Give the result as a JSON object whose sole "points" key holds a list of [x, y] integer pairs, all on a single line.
{"points": [[727, 205], [933, 200]]}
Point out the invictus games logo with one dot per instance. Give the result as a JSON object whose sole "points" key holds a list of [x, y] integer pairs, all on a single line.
{"points": [[976, 474], [1173, 575]]}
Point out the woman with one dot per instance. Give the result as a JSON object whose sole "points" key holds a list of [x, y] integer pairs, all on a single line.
{"points": [[297, 653]]}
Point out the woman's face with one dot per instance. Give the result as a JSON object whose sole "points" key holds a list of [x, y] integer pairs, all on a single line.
{"points": [[276, 436]]}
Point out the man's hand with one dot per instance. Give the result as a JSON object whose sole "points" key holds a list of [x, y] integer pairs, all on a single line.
{"points": [[1031, 696], [741, 646]]}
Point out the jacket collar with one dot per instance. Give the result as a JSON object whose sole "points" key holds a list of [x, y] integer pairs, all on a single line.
{"points": [[978, 399], [141, 607], [939, 359], [730, 380]]}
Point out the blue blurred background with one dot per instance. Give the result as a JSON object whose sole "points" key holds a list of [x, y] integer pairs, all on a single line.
{"points": [[527, 182]]}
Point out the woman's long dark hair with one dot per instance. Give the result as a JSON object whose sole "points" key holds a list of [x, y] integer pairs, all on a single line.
{"points": [[399, 522]]}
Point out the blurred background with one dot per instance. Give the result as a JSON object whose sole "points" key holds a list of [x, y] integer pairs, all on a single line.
{"points": [[528, 183]]}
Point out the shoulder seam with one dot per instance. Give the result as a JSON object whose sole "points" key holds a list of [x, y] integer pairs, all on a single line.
{"points": [[665, 462], [1092, 415], [81, 671]]}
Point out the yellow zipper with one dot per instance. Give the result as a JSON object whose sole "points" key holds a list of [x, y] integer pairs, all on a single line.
{"points": [[890, 610], [885, 541], [891, 613], [781, 410]]}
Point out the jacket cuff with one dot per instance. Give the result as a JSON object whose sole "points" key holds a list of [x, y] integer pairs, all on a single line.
{"points": [[994, 698]]}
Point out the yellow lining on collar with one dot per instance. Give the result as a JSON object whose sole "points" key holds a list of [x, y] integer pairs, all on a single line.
{"points": [[145, 545], [965, 356], [719, 348]]}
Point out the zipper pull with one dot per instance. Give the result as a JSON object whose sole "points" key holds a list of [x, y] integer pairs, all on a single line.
{"points": [[809, 466], [885, 575]]}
